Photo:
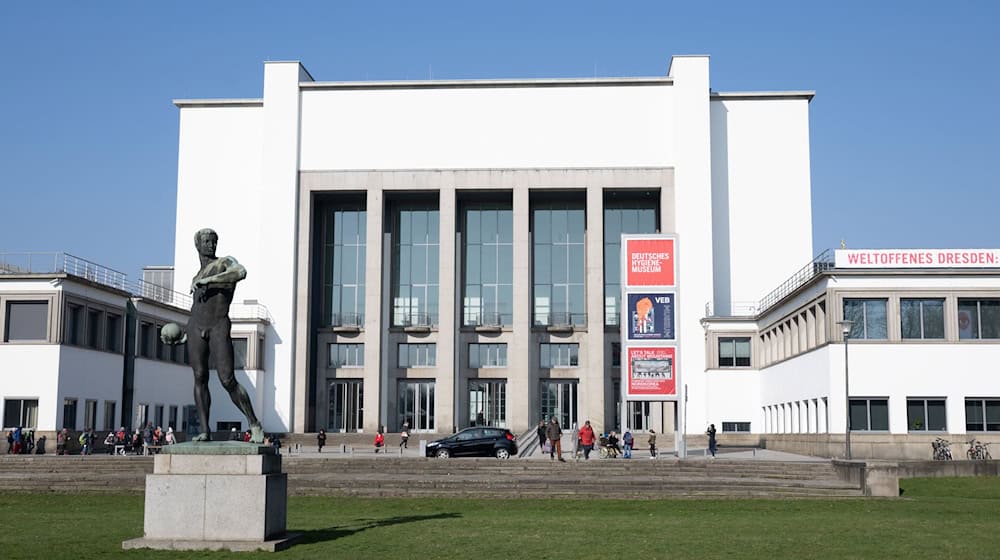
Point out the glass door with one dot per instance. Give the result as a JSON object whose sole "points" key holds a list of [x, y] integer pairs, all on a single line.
{"points": [[347, 397], [559, 400], [488, 403], [415, 403]]}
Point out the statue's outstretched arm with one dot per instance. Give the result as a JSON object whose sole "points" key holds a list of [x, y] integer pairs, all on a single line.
{"points": [[233, 272]]}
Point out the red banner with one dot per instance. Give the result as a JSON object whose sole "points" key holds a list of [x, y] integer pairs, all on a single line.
{"points": [[652, 371], [650, 262]]}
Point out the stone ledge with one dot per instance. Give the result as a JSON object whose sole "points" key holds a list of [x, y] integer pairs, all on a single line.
{"points": [[273, 545], [217, 464]]}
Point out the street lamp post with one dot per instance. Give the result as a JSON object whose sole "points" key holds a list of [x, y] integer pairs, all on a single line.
{"points": [[845, 328]]}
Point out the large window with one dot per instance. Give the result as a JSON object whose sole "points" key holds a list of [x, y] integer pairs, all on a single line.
{"points": [[415, 404], [487, 355], [73, 327], [869, 415], [624, 212], [558, 399], [736, 426], [69, 414], [146, 342], [558, 230], [95, 318], [20, 412], [982, 415], [113, 333], [921, 318], [347, 355], [89, 414], [417, 355], [488, 296], [26, 321], [869, 318], [109, 415], [978, 318], [415, 267], [734, 352], [344, 266], [488, 402], [559, 355], [347, 405], [926, 415], [240, 348]]}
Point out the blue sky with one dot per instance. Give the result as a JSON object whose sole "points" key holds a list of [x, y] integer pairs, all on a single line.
{"points": [[904, 130]]}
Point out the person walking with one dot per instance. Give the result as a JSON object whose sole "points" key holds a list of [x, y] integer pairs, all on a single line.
{"points": [[379, 439], [10, 442], [170, 437], [586, 437], [554, 434], [627, 441], [61, 438], [652, 444], [541, 434], [712, 445], [404, 437], [87, 440], [17, 440], [320, 440], [109, 443]]}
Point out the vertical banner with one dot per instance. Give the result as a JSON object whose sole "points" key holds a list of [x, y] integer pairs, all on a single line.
{"points": [[649, 332]]}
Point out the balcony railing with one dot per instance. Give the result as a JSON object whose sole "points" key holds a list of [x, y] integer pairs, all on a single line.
{"points": [[61, 263], [820, 264], [560, 319], [475, 318], [349, 320], [401, 318]]}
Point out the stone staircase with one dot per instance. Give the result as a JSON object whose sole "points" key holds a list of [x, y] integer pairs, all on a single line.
{"points": [[473, 478]]}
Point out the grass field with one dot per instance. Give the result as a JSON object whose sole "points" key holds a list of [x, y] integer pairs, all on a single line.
{"points": [[935, 518]]}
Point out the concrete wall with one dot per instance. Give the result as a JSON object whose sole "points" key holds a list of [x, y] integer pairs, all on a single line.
{"points": [[31, 371]]}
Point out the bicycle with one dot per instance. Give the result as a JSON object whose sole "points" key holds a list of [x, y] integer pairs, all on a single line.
{"points": [[942, 451], [978, 451]]}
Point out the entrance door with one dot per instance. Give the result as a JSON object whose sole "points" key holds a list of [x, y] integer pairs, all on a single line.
{"points": [[416, 404], [638, 416], [559, 400], [488, 403], [347, 397]]}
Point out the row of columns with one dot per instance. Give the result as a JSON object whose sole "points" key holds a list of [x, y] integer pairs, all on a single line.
{"points": [[808, 416]]}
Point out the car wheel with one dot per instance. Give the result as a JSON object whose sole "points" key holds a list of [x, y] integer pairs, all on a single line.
{"points": [[502, 453], [443, 454]]}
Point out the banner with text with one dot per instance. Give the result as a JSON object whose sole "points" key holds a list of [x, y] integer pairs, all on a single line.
{"points": [[652, 372], [917, 258], [650, 316], [649, 261]]}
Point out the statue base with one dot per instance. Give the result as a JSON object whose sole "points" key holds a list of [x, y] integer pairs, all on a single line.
{"points": [[215, 496]]}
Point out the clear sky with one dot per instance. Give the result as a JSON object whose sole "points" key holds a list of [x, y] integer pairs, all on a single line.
{"points": [[904, 127]]}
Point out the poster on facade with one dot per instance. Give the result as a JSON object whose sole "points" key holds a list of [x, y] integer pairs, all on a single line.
{"points": [[650, 316], [649, 261], [652, 373]]}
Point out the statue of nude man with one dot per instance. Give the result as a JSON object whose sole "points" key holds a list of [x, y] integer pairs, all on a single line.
{"points": [[208, 331]]}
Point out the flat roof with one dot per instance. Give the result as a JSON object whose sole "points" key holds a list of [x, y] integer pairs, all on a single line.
{"points": [[751, 95]]}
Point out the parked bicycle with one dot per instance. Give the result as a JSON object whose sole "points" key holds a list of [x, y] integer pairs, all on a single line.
{"points": [[942, 449], [978, 451]]}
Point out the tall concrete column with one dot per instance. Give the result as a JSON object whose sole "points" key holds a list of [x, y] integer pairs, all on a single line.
{"points": [[446, 380], [822, 414], [592, 387], [522, 384], [373, 379]]}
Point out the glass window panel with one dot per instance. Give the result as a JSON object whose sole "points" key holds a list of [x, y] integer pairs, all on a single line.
{"points": [[909, 314], [992, 415], [472, 227], [489, 226], [405, 265], [505, 223], [915, 415], [543, 264], [559, 264], [405, 229], [239, 353], [854, 311], [418, 264], [560, 224], [433, 227], [612, 225], [576, 226], [936, 416], [974, 420], [350, 229], [968, 319], [989, 313], [859, 415], [933, 312], [576, 264], [505, 264], [875, 318], [419, 225], [879, 414], [27, 320], [348, 264], [542, 227], [647, 220], [489, 263], [433, 264]]}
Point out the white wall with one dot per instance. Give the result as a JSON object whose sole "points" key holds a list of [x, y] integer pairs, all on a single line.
{"points": [[32, 371], [811, 375], [513, 127], [732, 396], [89, 374], [761, 195]]}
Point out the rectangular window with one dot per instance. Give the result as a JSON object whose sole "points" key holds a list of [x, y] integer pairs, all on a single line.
{"points": [[240, 353], [417, 355], [415, 266], [921, 318], [487, 356], [73, 331], [869, 415], [26, 321], [487, 297], [624, 212], [559, 355], [734, 352], [146, 335], [982, 415], [978, 318], [488, 403], [109, 415], [89, 414], [344, 253], [736, 426], [559, 400], [69, 414], [616, 354], [172, 419], [141, 415], [113, 333], [559, 282], [158, 415], [347, 355], [869, 318], [20, 412], [415, 404], [926, 415], [162, 350]]}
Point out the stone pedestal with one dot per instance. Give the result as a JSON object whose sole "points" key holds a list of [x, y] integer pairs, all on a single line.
{"points": [[215, 496]]}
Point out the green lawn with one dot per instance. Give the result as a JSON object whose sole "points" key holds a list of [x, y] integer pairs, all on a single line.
{"points": [[936, 518]]}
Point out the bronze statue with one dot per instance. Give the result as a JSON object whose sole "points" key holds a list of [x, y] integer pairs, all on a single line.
{"points": [[208, 331]]}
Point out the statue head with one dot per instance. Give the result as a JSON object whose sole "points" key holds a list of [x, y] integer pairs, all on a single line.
{"points": [[206, 240]]}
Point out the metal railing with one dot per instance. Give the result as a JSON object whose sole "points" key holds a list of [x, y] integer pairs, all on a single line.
{"points": [[350, 319], [250, 312], [61, 263], [403, 318], [476, 318], [736, 309], [560, 319], [820, 264]]}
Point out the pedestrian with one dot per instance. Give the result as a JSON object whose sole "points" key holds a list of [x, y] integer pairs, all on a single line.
{"points": [[541, 435], [246, 436], [627, 441], [379, 439], [10, 442], [40, 447], [613, 449], [554, 434], [170, 438], [86, 441], [320, 440], [586, 437], [652, 444], [711, 439], [29, 441], [17, 440], [276, 444], [61, 438], [109, 443], [234, 435], [404, 438]]}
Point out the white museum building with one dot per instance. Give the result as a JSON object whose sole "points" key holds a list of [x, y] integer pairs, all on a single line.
{"points": [[447, 252]]}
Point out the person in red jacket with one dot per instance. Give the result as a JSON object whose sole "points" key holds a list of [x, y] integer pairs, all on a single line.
{"points": [[379, 439], [586, 437]]}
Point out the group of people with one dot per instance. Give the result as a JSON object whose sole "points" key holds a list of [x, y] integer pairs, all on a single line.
{"points": [[140, 441], [550, 441], [22, 442]]}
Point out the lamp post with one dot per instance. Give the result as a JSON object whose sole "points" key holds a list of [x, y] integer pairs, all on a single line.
{"points": [[845, 328]]}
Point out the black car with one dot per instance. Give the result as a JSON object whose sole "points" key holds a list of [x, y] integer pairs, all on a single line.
{"points": [[475, 442]]}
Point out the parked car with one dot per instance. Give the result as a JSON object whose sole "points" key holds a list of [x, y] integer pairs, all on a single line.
{"points": [[475, 442]]}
